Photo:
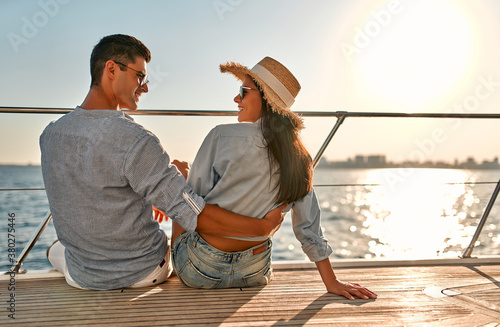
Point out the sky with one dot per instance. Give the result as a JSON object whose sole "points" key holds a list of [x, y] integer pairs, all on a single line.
{"points": [[436, 56]]}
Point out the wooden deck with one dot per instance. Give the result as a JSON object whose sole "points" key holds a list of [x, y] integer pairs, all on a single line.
{"points": [[443, 295]]}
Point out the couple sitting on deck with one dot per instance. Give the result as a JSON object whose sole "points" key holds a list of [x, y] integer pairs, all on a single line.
{"points": [[105, 175]]}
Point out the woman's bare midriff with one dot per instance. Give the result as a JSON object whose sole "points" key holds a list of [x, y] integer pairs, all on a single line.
{"points": [[229, 244], [220, 243]]}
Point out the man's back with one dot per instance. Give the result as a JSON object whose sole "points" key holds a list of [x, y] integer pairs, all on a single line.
{"points": [[99, 213]]}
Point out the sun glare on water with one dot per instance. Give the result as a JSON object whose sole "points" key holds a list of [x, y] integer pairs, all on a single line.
{"points": [[414, 214]]}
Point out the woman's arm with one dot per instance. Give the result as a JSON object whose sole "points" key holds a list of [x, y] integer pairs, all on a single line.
{"points": [[335, 286], [306, 215], [182, 166]]}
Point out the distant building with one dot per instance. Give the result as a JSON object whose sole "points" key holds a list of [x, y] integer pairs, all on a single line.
{"points": [[377, 161], [470, 163], [359, 161], [490, 164]]}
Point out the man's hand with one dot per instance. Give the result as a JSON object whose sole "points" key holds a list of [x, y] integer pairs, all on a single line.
{"points": [[159, 215], [275, 218], [182, 166]]}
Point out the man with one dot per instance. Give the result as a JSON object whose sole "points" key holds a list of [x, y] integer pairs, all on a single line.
{"points": [[103, 173]]}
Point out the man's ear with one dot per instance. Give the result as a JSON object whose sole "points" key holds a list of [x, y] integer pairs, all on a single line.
{"points": [[110, 69]]}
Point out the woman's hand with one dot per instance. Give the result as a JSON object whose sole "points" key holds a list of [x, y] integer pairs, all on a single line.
{"points": [[159, 215], [182, 166], [349, 290], [335, 286]]}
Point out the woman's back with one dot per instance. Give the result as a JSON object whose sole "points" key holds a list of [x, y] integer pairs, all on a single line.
{"points": [[232, 170]]}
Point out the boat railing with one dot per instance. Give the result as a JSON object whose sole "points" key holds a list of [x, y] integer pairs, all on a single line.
{"points": [[340, 115]]}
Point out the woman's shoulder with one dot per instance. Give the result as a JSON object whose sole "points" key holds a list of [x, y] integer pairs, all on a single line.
{"points": [[237, 129]]}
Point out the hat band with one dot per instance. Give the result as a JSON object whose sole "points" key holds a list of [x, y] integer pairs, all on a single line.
{"points": [[274, 84]]}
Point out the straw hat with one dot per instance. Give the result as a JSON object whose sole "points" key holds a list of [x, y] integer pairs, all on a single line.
{"points": [[276, 82]]}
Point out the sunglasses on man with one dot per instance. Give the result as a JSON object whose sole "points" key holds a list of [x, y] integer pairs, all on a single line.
{"points": [[143, 78]]}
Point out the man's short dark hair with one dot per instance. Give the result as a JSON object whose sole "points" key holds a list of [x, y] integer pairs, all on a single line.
{"points": [[117, 47]]}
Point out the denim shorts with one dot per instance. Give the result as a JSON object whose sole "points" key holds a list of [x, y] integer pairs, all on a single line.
{"points": [[200, 265]]}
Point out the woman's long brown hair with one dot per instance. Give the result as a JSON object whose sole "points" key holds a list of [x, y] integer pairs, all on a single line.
{"points": [[285, 148]]}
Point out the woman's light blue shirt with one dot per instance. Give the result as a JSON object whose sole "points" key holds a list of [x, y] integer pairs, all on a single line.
{"points": [[231, 170]]}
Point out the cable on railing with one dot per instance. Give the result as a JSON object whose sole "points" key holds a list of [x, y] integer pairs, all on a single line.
{"points": [[358, 184], [315, 185]]}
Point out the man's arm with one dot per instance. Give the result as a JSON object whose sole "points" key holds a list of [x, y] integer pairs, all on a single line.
{"points": [[163, 186], [217, 221], [220, 222]]}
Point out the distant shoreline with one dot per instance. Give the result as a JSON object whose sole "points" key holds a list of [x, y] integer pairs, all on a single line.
{"points": [[380, 162], [18, 165]]}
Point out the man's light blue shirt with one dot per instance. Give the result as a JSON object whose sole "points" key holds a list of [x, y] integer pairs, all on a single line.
{"points": [[102, 173]]}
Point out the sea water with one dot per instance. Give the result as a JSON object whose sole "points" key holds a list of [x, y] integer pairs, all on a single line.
{"points": [[366, 213]]}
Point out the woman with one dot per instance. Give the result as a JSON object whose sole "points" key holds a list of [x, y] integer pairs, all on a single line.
{"points": [[250, 168]]}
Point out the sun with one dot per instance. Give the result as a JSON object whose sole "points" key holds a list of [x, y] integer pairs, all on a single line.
{"points": [[418, 52]]}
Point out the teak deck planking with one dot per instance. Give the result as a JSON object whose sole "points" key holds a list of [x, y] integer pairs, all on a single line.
{"points": [[443, 295]]}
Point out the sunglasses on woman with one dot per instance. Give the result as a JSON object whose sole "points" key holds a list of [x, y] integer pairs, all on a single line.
{"points": [[242, 92]]}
